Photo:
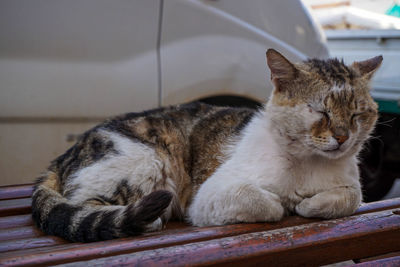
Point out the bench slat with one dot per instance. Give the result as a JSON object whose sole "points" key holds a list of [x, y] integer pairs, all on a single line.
{"points": [[16, 191], [341, 239], [15, 206], [19, 233], [379, 205], [15, 221], [72, 252], [27, 243], [186, 236]]}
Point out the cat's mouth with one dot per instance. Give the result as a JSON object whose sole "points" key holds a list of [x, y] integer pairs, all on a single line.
{"points": [[335, 151], [332, 153]]}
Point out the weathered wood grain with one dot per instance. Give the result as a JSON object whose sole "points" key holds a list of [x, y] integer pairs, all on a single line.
{"points": [[259, 245], [27, 243], [19, 232], [164, 238], [73, 251], [379, 205], [23, 244], [15, 206], [16, 191], [311, 244], [15, 221]]}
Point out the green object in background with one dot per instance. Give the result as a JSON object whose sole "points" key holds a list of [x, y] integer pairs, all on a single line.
{"points": [[394, 10], [388, 106]]}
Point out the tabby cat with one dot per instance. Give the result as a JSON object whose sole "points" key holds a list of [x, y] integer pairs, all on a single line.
{"points": [[218, 165]]}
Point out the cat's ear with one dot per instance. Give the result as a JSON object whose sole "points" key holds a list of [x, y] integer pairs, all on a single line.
{"points": [[368, 67], [281, 68]]}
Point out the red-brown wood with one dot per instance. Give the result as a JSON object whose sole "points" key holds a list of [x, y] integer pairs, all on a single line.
{"points": [[22, 244], [311, 244], [379, 205], [15, 221], [15, 206], [387, 262], [16, 191], [19, 232], [73, 252], [188, 235]]}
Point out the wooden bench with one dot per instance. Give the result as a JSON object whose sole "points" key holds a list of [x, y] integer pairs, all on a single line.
{"points": [[374, 230]]}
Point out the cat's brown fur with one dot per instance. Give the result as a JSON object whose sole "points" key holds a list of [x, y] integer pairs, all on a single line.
{"points": [[188, 139]]}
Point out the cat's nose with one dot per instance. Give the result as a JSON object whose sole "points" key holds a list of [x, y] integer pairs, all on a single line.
{"points": [[341, 138]]}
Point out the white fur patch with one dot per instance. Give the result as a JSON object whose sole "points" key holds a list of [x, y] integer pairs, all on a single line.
{"points": [[269, 172], [135, 162]]}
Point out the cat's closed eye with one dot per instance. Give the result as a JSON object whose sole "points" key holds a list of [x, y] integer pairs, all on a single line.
{"points": [[356, 115], [324, 113]]}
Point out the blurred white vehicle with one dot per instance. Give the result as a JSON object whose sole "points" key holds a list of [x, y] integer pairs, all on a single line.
{"points": [[65, 65]]}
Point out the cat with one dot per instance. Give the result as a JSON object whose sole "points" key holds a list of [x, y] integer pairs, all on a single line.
{"points": [[218, 165]]}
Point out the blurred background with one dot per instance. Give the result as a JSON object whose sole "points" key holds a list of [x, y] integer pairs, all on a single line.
{"points": [[67, 65]]}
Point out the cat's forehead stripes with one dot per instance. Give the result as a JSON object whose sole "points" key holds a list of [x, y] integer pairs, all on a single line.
{"points": [[342, 97], [332, 71], [337, 88]]}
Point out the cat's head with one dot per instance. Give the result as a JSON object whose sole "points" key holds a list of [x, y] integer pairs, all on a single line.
{"points": [[322, 106]]}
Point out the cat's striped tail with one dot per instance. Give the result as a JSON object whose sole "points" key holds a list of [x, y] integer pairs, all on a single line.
{"points": [[86, 223]]}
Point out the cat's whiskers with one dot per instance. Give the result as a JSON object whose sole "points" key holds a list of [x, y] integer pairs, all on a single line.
{"points": [[385, 122]]}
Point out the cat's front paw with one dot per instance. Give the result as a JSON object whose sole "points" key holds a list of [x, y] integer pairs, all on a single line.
{"points": [[330, 204], [236, 204], [307, 208], [262, 206]]}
